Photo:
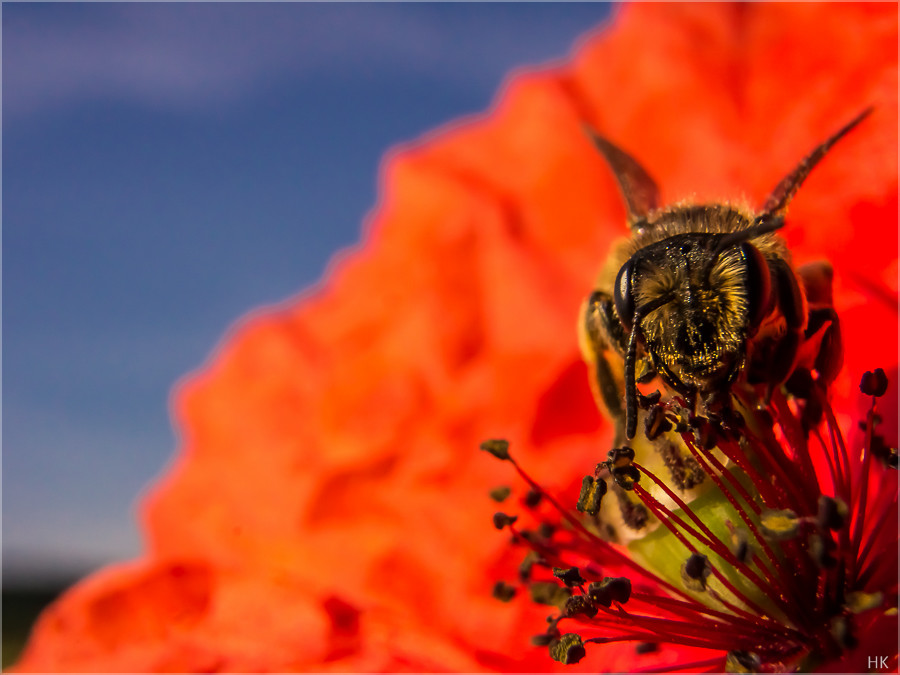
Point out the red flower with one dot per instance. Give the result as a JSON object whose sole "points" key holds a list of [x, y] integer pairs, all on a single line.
{"points": [[327, 510]]}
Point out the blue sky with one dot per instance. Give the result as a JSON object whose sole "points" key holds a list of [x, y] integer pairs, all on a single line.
{"points": [[166, 169]]}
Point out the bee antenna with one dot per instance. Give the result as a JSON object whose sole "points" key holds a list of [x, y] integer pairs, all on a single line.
{"points": [[778, 200], [630, 364], [763, 224], [630, 383], [638, 188]]}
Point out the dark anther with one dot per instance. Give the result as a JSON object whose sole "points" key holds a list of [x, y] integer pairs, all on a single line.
{"points": [[859, 602], [740, 661], [618, 457], [497, 447], [779, 525], [695, 571], [646, 647], [731, 422], [533, 498], [843, 632], [599, 594], [527, 535], [570, 576], [626, 477], [713, 416], [592, 491], [568, 649], [705, 432], [525, 566], [707, 436], [697, 566], [504, 591], [546, 530], [740, 547], [501, 520], [832, 513], [874, 384], [644, 372], [549, 593], [885, 454], [611, 588], [619, 588], [646, 402], [579, 604], [499, 494], [820, 549], [656, 423]]}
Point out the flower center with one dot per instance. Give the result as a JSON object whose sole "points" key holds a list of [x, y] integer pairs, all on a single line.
{"points": [[756, 541]]}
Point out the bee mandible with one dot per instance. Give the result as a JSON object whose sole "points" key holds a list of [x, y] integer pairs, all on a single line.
{"points": [[704, 296]]}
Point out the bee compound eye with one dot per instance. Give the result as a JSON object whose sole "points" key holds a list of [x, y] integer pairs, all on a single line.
{"points": [[757, 281], [623, 295]]}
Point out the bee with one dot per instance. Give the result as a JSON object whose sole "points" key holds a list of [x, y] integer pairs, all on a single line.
{"points": [[705, 296]]}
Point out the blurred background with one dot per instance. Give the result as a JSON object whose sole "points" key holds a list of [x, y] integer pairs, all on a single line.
{"points": [[167, 168]]}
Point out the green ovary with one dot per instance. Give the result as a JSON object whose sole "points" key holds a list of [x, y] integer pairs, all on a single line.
{"points": [[661, 552]]}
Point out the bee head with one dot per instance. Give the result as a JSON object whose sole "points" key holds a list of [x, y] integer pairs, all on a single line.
{"points": [[691, 300], [696, 287]]}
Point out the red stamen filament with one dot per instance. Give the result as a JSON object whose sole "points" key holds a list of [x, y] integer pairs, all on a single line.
{"points": [[717, 665], [607, 548], [776, 457], [716, 476], [669, 519], [720, 548], [859, 507]]}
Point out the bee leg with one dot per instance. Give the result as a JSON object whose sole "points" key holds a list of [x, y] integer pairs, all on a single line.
{"points": [[690, 400], [602, 332], [631, 382], [717, 401], [611, 395], [792, 305], [602, 322], [602, 335], [817, 278], [830, 356]]}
